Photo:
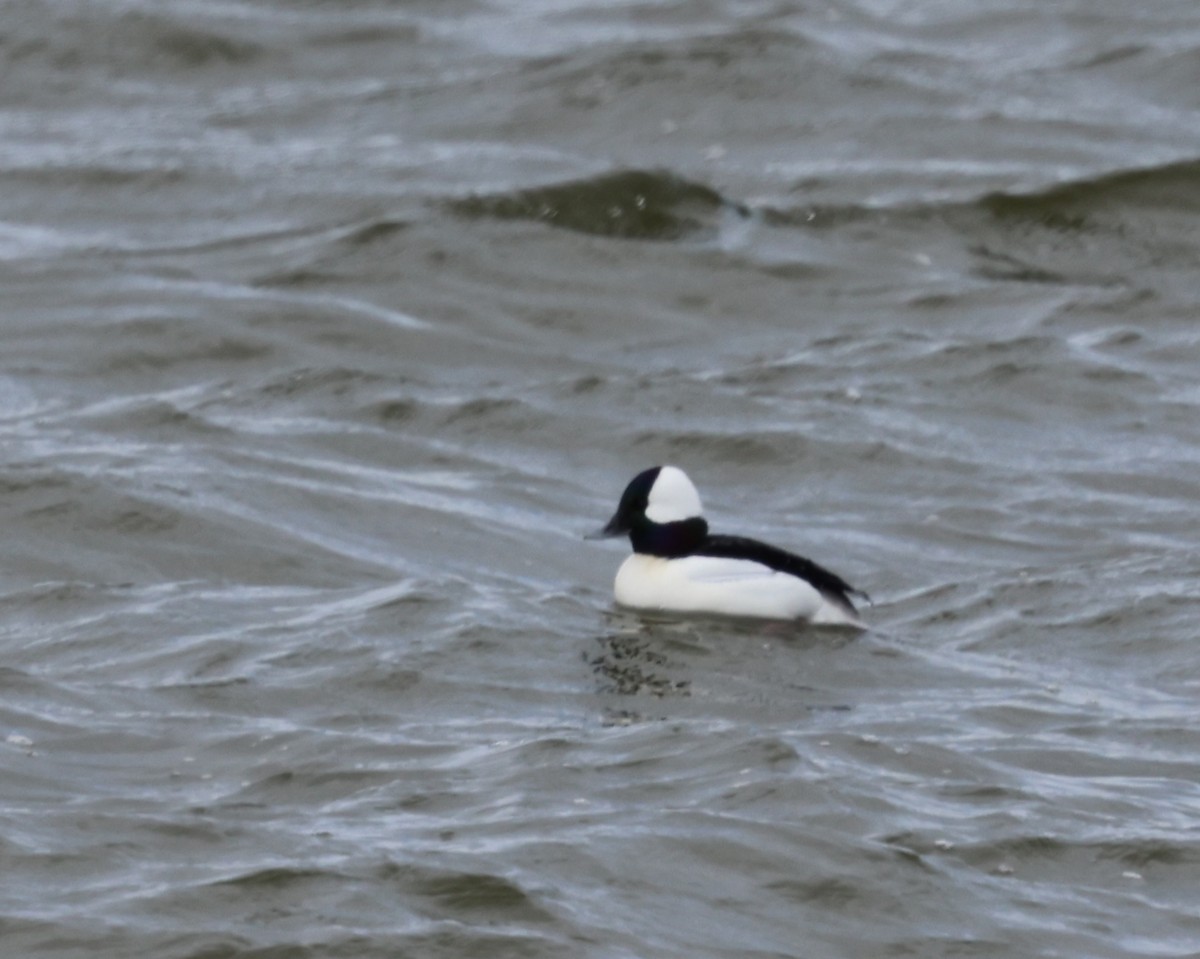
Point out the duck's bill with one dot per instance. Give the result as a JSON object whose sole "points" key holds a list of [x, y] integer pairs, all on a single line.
{"points": [[608, 531]]}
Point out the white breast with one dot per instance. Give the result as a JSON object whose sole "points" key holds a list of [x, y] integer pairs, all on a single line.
{"points": [[731, 587]]}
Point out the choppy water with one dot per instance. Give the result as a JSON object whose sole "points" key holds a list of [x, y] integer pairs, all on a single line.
{"points": [[329, 327]]}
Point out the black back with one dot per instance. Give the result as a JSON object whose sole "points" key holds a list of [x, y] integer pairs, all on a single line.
{"points": [[830, 585]]}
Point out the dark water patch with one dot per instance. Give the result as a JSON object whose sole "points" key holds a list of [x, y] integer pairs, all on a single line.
{"points": [[1127, 220], [1018, 375], [237, 243], [21, 480], [377, 231], [996, 264], [1020, 848], [1172, 188], [726, 54], [388, 680], [146, 417], [394, 412], [469, 942], [987, 794], [735, 65], [1149, 853], [187, 47], [137, 42], [479, 896], [370, 249], [1092, 231], [794, 272], [314, 399], [724, 447], [737, 86], [109, 510], [315, 785], [1111, 55], [482, 408], [1163, 73], [1072, 859], [144, 519], [589, 383], [297, 278], [1138, 487], [160, 344], [115, 529], [833, 893], [276, 904], [496, 415], [383, 32], [105, 176], [278, 878], [334, 382], [628, 204], [999, 354], [822, 216], [95, 937]]}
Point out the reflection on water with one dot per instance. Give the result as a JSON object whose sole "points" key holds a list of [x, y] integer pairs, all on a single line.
{"points": [[633, 660]]}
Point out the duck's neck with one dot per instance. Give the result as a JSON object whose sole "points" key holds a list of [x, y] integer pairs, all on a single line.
{"points": [[668, 539]]}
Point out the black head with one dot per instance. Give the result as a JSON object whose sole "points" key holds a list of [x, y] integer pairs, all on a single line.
{"points": [[632, 507], [660, 512]]}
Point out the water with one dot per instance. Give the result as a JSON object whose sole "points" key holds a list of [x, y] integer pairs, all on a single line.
{"points": [[330, 328]]}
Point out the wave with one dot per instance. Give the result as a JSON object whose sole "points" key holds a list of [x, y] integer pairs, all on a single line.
{"points": [[1043, 235], [628, 204], [1171, 186], [1131, 220], [1065, 205], [131, 42]]}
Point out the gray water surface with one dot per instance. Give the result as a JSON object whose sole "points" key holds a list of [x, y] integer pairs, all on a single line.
{"points": [[329, 329]]}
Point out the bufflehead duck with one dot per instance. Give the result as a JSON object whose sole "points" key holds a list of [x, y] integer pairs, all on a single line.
{"points": [[677, 565]]}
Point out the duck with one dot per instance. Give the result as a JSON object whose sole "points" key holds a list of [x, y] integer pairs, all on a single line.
{"points": [[678, 566]]}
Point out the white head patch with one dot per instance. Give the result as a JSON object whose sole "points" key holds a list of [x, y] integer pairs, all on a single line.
{"points": [[672, 497]]}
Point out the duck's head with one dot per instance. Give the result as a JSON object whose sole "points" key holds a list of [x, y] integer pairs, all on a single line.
{"points": [[660, 511]]}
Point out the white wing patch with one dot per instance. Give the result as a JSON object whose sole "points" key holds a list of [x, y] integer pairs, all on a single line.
{"points": [[718, 569]]}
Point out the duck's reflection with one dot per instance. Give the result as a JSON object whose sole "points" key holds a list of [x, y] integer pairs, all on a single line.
{"points": [[634, 657], [656, 655]]}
